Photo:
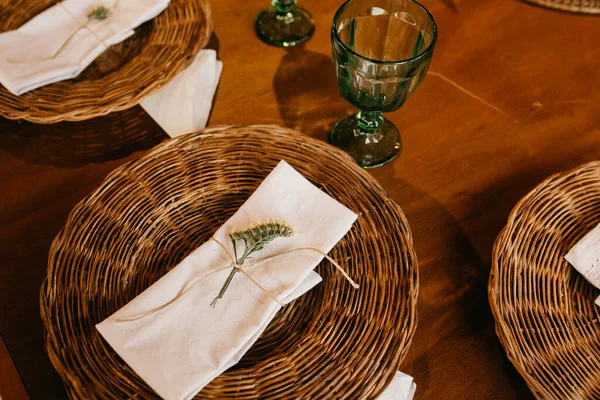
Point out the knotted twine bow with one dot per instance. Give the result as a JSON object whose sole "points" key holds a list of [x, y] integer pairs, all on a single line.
{"points": [[241, 268]]}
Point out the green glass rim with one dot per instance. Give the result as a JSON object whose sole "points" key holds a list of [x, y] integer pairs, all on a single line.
{"points": [[427, 51]]}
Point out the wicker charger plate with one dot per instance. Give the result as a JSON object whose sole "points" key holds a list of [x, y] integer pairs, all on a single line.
{"points": [[545, 314], [120, 77], [576, 6], [334, 342]]}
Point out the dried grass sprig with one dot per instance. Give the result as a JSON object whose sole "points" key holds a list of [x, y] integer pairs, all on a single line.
{"points": [[255, 237]]}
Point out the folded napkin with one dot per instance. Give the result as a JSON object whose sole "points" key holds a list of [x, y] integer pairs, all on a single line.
{"points": [[585, 257], [180, 348], [401, 388], [183, 105], [62, 41]]}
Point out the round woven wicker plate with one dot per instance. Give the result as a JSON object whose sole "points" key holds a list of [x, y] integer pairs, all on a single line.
{"points": [[334, 342], [575, 6], [545, 314], [121, 76]]}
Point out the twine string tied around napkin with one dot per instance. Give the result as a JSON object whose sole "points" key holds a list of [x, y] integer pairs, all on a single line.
{"points": [[241, 268], [98, 13]]}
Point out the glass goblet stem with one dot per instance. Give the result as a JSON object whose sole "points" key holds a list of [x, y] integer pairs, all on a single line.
{"points": [[283, 7], [369, 121]]}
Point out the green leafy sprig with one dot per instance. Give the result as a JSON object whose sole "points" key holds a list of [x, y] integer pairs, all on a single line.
{"points": [[99, 13], [254, 238]]}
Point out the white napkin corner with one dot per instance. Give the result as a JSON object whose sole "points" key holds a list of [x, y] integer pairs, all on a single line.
{"points": [[585, 258], [184, 104], [402, 388]]}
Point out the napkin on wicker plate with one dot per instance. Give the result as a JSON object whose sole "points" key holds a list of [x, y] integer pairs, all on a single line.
{"points": [[179, 349], [62, 41], [585, 257]]}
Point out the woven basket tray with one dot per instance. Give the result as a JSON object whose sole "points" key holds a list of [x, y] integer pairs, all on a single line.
{"points": [[545, 314], [121, 76], [334, 342], [576, 6]]}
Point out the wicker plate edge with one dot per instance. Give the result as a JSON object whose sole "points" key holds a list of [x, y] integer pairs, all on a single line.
{"points": [[82, 115], [501, 329], [555, 5], [70, 380], [57, 242]]}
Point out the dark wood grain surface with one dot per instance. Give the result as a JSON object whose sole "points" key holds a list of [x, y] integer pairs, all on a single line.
{"points": [[513, 96], [11, 385]]}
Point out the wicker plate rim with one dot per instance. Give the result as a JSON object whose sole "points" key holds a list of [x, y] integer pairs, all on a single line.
{"points": [[501, 326], [119, 104], [411, 297], [554, 5]]}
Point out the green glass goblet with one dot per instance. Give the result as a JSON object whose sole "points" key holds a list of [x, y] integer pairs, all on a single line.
{"points": [[283, 24], [381, 52]]}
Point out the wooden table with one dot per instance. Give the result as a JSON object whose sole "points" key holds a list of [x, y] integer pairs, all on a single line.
{"points": [[513, 96]]}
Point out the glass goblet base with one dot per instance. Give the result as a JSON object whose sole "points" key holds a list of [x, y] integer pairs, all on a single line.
{"points": [[284, 29], [369, 147]]}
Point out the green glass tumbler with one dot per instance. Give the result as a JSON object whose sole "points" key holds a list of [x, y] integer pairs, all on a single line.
{"points": [[381, 52], [283, 24]]}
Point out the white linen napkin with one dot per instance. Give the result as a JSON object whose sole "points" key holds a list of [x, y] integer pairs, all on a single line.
{"points": [[585, 257], [26, 54], [179, 349], [401, 388], [184, 104]]}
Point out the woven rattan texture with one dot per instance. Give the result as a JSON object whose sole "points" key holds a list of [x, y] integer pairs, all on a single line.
{"points": [[119, 78], [576, 6], [332, 343], [545, 314]]}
